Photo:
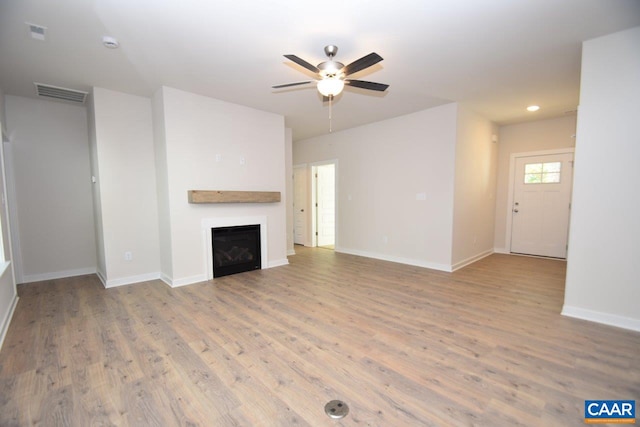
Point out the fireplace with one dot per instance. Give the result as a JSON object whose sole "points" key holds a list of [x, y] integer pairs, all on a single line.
{"points": [[235, 249], [208, 224]]}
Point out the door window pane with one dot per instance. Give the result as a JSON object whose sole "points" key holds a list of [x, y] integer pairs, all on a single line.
{"points": [[542, 173]]}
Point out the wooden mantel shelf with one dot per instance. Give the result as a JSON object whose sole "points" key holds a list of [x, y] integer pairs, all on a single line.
{"points": [[213, 196]]}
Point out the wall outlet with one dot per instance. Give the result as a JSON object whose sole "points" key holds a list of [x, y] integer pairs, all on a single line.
{"points": [[128, 256]]}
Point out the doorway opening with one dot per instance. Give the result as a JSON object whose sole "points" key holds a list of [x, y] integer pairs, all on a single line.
{"points": [[323, 205]]}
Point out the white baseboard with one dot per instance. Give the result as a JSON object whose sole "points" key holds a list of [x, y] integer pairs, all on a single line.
{"points": [[400, 260], [600, 317], [278, 263], [123, 281], [102, 278], [166, 279], [471, 260], [57, 275], [4, 326], [176, 283], [501, 251], [291, 252]]}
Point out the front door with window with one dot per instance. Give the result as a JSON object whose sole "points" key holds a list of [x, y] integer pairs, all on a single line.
{"points": [[541, 204]]}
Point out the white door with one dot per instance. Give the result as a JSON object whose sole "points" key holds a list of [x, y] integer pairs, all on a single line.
{"points": [[541, 203], [326, 204], [299, 202]]}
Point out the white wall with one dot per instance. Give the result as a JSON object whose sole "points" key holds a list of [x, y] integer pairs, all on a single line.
{"points": [[603, 273], [539, 135], [382, 167], [162, 185], [475, 183], [4, 220], [126, 186], [196, 129], [3, 116], [50, 165]]}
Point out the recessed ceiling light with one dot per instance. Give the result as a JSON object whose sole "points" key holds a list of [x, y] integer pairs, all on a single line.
{"points": [[110, 42], [533, 108]]}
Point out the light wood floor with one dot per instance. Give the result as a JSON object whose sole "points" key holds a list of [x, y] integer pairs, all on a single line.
{"points": [[401, 345]]}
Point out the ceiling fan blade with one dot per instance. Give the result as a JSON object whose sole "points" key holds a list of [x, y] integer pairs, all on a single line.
{"points": [[362, 63], [292, 84], [380, 87], [303, 63]]}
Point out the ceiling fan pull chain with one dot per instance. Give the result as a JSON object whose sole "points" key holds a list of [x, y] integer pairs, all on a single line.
{"points": [[330, 111]]}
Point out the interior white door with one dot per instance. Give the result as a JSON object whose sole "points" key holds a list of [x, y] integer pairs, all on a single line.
{"points": [[299, 203], [326, 210], [541, 204]]}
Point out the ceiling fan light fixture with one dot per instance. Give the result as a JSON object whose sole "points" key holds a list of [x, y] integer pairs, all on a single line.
{"points": [[330, 86]]}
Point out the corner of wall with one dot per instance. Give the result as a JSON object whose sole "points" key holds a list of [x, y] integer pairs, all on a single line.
{"points": [[474, 188]]}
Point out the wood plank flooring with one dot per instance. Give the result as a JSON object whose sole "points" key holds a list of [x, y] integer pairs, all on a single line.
{"points": [[401, 345]]}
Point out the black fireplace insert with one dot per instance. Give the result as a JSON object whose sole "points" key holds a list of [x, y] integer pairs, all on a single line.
{"points": [[235, 249]]}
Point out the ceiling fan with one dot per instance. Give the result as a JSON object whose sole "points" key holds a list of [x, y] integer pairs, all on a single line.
{"points": [[332, 75]]}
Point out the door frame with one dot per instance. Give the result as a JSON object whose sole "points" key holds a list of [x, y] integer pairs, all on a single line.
{"points": [[512, 175], [314, 199]]}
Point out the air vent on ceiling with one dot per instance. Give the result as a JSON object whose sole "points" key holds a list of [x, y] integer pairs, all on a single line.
{"points": [[36, 31], [61, 93]]}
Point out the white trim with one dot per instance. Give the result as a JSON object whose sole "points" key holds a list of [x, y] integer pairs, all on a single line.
{"points": [[291, 252], [123, 281], [600, 317], [102, 278], [58, 275], [208, 223], [501, 251], [4, 326], [512, 174], [187, 281], [399, 260], [278, 263], [166, 279], [471, 260], [4, 266]]}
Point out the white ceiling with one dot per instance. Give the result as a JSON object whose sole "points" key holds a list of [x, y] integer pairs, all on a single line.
{"points": [[496, 55]]}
